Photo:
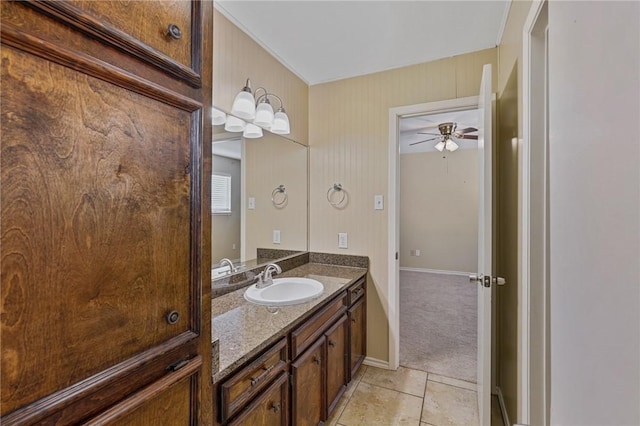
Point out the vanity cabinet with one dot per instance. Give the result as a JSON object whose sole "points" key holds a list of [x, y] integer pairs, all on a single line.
{"points": [[323, 353], [104, 194]]}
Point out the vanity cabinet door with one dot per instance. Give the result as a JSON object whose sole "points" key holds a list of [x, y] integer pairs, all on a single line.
{"points": [[357, 335], [308, 386], [336, 357]]}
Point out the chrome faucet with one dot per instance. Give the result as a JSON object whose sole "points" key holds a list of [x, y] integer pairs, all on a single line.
{"points": [[264, 277], [229, 263]]}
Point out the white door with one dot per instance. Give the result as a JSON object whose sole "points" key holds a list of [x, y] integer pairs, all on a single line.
{"points": [[483, 279]]}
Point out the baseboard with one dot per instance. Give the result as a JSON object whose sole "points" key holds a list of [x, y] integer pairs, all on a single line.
{"points": [[503, 408], [436, 271], [374, 362]]}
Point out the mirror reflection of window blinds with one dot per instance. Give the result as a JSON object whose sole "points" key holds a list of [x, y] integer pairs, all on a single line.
{"points": [[220, 193]]}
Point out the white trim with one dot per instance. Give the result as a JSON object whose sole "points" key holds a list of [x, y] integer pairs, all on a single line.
{"points": [[436, 271], [375, 362], [393, 304], [503, 23], [503, 407], [524, 319]]}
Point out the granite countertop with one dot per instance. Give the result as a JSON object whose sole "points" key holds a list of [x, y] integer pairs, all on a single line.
{"points": [[244, 329]]}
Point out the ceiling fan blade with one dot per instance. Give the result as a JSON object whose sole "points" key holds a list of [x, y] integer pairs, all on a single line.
{"points": [[427, 133], [426, 140], [474, 137], [466, 130]]}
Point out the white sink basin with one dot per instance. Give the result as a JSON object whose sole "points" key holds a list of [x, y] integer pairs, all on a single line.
{"points": [[285, 291]]}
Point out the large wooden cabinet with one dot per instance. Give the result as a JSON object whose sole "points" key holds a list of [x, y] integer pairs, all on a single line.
{"points": [[104, 198]]}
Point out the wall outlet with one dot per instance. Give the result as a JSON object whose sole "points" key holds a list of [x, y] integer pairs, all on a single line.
{"points": [[342, 240], [252, 203], [276, 236], [378, 202], [415, 252], [233, 246]]}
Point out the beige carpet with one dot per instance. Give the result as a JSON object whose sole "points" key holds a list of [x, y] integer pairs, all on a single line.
{"points": [[438, 324]]}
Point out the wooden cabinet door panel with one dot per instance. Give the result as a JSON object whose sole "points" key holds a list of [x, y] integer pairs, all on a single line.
{"points": [[336, 357], [146, 36], [97, 216], [308, 396], [172, 400], [357, 332]]}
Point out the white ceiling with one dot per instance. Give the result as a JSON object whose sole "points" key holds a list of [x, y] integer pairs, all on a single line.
{"points": [[410, 126], [323, 41]]}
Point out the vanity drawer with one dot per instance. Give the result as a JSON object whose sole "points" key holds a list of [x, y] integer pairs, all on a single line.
{"points": [[356, 291], [245, 384], [313, 328]]}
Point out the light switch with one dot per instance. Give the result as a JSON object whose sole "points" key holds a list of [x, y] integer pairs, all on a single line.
{"points": [[342, 240], [252, 203], [378, 202], [276, 236]]}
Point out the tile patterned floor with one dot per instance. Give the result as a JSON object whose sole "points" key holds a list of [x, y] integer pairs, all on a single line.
{"points": [[378, 397]]}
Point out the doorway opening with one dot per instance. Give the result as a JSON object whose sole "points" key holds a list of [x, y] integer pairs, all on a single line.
{"points": [[438, 218]]}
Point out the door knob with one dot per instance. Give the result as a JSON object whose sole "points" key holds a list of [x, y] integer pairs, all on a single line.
{"points": [[498, 281]]}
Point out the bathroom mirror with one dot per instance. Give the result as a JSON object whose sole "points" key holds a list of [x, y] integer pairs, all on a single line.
{"points": [[259, 199]]}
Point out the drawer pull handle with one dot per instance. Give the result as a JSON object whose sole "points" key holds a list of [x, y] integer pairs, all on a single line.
{"points": [[317, 360], [275, 407], [353, 320], [174, 32], [332, 343], [256, 380], [173, 317]]}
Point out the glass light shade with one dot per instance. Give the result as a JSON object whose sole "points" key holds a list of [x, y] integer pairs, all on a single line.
{"points": [[264, 115], [252, 131], [234, 124], [280, 124], [219, 117], [451, 145], [244, 106], [440, 146]]}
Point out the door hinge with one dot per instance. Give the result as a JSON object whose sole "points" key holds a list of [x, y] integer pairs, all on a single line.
{"points": [[397, 256]]}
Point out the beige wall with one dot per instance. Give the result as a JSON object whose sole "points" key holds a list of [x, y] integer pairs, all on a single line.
{"points": [[349, 144], [237, 57], [269, 162], [509, 113], [439, 210], [227, 226]]}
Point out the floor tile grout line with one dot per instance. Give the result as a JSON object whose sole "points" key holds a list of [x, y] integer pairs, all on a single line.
{"points": [[394, 390]]}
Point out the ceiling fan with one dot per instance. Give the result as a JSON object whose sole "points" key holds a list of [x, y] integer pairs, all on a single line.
{"points": [[448, 132]]}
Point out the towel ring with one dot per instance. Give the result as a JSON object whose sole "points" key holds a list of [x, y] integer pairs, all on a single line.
{"points": [[279, 190], [336, 188]]}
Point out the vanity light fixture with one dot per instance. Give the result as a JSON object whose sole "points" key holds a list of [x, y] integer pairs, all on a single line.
{"points": [[218, 117], [252, 131], [259, 111], [234, 124]]}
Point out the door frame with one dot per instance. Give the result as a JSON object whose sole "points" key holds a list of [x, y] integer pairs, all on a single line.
{"points": [[530, 164], [393, 225]]}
